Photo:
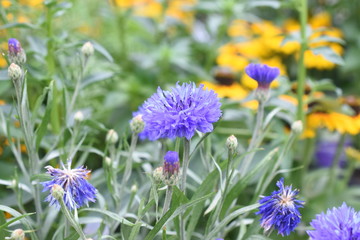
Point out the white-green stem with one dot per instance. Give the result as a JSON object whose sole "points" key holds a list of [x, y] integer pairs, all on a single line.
{"points": [[128, 166], [70, 217], [168, 197], [255, 138], [185, 166]]}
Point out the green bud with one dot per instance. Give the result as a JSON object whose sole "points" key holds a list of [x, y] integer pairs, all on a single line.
{"points": [[137, 124], [231, 143], [112, 137], [87, 49], [15, 72], [17, 234], [297, 127], [57, 191]]}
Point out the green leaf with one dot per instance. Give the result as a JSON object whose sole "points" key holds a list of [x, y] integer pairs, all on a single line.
{"points": [[134, 231], [42, 177], [265, 3], [206, 187], [174, 211], [103, 51], [3, 226], [229, 218], [18, 25], [75, 236], [97, 77], [325, 38], [329, 54], [24, 221], [41, 130], [112, 215], [2, 221], [235, 191]]}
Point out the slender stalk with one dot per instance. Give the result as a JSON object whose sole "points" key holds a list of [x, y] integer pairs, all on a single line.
{"points": [[70, 217], [183, 183], [128, 165], [168, 197], [301, 72], [255, 138]]}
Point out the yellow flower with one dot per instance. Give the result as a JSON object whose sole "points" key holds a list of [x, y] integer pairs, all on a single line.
{"points": [[152, 10], [2, 102], [239, 28], [251, 104], [333, 121], [31, 3], [318, 61], [234, 91], [235, 62], [353, 153], [5, 3], [322, 19]]}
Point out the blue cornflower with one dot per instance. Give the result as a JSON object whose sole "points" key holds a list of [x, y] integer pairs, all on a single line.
{"points": [[77, 190], [280, 209], [262, 73], [14, 46], [341, 223], [179, 112], [171, 164]]}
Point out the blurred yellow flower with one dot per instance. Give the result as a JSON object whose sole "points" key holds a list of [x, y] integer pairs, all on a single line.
{"points": [[234, 91], [5, 3], [235, 62], [31, 3], [2, 102], [251, 104], [353, 153]]}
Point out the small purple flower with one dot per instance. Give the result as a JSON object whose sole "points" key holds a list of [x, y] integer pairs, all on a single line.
{"points": [[171, 164], [16, 53], [179, 112], [341, 223], [14, 46], [77, 190], [262, 73], [280, 209]]}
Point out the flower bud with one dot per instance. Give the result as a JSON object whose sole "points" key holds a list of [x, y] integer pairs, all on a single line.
{"points": [[297, 127], [171, 168], [108, 161], [14, 72], [16, 53], [158, 174], [134, 188], [137, 124], [231, 143], [57, 191], [79, 116], [112, 137], [17, 234], [87, 49]]}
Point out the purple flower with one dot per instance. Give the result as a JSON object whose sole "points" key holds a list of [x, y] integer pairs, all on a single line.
{"points": [[280, 209], [14, 46], [341, 223], [171, 164], [262, 73], [179, 112], [77, 190], [16, 53]]}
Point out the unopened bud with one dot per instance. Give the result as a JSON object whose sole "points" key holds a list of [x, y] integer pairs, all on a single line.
{"points": [[17, 234], [112, 137], [79, 116], [16, 53], [171, 168], [57, 191], [137, 124], [232, 143], [297, 127], [158, 174], [134, 188], [87, 49], [14, 72], [108, 161]]}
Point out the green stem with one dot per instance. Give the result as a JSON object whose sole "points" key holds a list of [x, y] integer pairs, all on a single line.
{"points": [[301, 73], [168, 197], [69, 216], [128, 166], [183, 183], [255, 138]]}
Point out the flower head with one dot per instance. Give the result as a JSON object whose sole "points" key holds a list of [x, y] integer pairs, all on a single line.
{"points": [[14, 46], [179, 112], [262, 73], [280, 209], [341, 223], [171, 164], [77, 191], [16, 53]]}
